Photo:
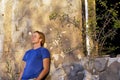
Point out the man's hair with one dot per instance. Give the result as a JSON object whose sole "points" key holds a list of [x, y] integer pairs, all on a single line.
{"points": [[42, 36]]}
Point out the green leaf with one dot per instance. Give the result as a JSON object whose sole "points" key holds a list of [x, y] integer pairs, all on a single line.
{"points": [[117, 24]]}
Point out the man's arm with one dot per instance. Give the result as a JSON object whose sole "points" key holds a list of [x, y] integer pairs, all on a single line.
{"points": [[46, 66], [22, 71]]}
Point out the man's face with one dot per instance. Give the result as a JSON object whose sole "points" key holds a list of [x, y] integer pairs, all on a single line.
{"points": [[35, 38]]}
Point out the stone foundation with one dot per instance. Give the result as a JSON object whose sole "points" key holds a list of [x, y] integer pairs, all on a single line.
{"points": [[88, 69]]}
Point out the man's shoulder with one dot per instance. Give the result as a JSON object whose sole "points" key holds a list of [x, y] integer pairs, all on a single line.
{"points": [[28, 50], [43, 48], [45, 52]]}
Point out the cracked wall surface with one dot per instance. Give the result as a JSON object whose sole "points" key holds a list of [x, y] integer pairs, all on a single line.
{"points": [[61, 22]]}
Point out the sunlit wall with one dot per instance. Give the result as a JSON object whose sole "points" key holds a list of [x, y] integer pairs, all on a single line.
{"points": [[60, 20]]}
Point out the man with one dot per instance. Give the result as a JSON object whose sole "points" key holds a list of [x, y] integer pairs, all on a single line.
{"points": [[37, 60]]}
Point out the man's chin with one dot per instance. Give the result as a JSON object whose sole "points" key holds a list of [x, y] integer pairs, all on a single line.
{"points": [[33, 43]]}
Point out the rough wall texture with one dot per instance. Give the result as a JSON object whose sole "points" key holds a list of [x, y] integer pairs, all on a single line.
{"points": [[60, 20]]}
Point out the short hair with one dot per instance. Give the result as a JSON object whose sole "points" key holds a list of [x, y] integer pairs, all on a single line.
{"points": [[42, 36]]}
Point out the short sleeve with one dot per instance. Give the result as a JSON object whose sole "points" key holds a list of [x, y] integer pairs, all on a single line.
{"points": [[45, 53]]}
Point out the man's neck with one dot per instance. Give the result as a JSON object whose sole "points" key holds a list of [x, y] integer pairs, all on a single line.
{"points": [[35, 46]]}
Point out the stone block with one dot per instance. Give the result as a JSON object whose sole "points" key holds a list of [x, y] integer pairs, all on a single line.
{"points": [[112, 72], [111, 60], [118, 55], [74, 71], [100, 64]]}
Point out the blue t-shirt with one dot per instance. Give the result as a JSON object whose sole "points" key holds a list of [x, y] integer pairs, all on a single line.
{"points": [[34, 62]]}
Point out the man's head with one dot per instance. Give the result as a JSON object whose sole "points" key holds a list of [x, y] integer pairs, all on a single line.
{"points": [[38, 37]]}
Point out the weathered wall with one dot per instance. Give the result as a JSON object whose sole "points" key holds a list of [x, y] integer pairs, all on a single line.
{"points": [[61, 22]]}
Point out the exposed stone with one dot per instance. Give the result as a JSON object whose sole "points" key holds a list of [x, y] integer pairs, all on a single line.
{"points": [[89, 64], [59, 61], [118, 55], [111, 60], [112, 72], [59, 74], [88, 75], [95, 77], [74, 71], [100, 64], [118, 59]]}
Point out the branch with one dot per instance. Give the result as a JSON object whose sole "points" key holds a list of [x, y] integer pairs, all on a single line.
{"points": [[107, 20], [108, 34]]}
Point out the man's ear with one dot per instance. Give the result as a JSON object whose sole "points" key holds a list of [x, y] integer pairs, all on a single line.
{"points": [[40, 40]]}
